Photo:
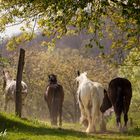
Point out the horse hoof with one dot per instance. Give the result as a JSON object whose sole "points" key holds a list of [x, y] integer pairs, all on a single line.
{"points": [[88, 131], [124, 129], [103, 130], [85, 123]]}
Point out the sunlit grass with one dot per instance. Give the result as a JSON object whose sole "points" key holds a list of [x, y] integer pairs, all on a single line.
{"points": [[19, 129]]}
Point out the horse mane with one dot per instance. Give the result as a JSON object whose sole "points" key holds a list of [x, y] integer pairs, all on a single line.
{"points": [[82, 76]]}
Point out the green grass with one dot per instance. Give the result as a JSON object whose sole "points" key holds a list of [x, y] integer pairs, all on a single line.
{"points": [[18, 129]]}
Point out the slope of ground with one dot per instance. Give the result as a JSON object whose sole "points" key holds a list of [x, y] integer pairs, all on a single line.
{"points": [[13, 128]]}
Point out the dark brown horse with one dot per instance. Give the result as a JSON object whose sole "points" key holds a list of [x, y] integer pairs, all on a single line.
{"points": [[119, 96], [54, 97]]}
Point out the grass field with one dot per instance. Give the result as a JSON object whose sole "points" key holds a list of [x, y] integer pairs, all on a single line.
{"points": [[13, 128]]}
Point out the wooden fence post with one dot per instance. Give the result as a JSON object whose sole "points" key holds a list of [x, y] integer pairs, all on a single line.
{"points": [[18, 103]]}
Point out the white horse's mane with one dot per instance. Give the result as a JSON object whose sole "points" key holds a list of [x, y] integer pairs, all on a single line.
{"points": [[82, 77]]}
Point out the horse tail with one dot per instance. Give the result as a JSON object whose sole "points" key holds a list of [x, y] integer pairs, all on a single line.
{"points": [[52, 108], [53, 100], [119, 100], [55, 103]]}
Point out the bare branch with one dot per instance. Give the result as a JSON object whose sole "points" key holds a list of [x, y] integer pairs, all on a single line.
{"points": [[34, 27]]}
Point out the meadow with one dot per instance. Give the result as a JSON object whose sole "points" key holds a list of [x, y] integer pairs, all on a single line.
{"points": [[14, 128]]}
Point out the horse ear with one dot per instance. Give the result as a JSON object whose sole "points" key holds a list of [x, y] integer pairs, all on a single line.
{"points": [[78, 73], [49, 76]]}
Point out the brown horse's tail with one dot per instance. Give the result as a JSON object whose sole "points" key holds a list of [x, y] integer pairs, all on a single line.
{"points": [[119, 100], [57, 104], [54, 108]]}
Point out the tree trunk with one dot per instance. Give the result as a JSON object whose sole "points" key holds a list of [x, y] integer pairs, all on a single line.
{"points": [[18, 104]]}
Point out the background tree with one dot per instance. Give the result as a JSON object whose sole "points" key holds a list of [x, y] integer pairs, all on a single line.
{"points": [[122, 33], [39, 64], [58, 18], [131, 71], [115, 21]]}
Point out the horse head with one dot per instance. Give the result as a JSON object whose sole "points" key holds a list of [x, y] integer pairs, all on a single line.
{"points": [[6, 75], [52, 79], [106, 104]]}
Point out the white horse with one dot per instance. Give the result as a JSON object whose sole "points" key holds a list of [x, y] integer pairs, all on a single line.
{"points": [[9, 87], [90, 98]]}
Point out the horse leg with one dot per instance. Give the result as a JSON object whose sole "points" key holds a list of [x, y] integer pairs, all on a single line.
{"points": [[56, 112], [5, 104], [125, 111], [52, 117], [125, 119], [125, 122], [118, 120], [55, 109], [55, 120], [89, 117], [102, 123], [50, 111], [94, 118], [83, 117], [60, 118], [60, 115]]}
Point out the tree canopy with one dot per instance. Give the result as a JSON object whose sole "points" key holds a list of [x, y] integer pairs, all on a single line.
{"points": [[61, 14], [131, 71], [116, 19]]}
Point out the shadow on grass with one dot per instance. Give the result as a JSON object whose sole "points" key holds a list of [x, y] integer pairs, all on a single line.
{"points": [[21, 126], [17, 125], [134, 132]]}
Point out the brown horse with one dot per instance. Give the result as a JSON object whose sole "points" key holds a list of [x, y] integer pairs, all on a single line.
{"points": [[54, 97], [119, 96]]}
